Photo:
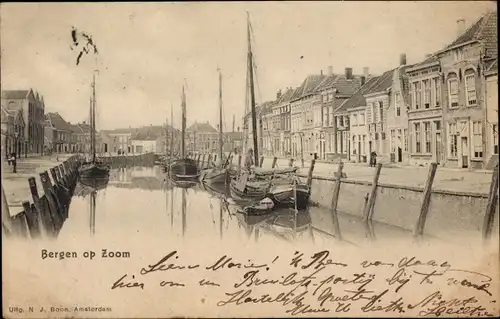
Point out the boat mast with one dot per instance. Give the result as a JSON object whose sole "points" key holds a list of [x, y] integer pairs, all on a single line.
{"points": [[92, 133], [171, 129], [220, 119], [252, 95], [183, 127]]}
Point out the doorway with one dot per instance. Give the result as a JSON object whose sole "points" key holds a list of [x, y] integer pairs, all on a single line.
{"points": [[465, 157], [105, 147], [438, 148], [400, 155]]}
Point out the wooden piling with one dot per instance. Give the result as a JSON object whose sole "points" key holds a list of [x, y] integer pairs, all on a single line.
{"points": [[208, 161], [261, 161], [491, 206], [290, 162], [58, 173], [53, 173], [44, 219], [6, 220], [336, 189], [426, 198], [203, 161], [368, 212], [54, 210], [310, 174], [239, 162], [274, 162], [31, 219]]}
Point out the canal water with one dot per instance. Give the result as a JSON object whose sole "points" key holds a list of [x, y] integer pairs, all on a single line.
{"points": [[141, 201]]}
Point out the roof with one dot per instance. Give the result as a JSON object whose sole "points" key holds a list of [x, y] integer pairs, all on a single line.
{"points": [[326, 83], [202, 128], [484, 29], [145, 137], [15, 94], [383, 83], [57, 121], [346, 86], [308, 86], [358, 99], [287, 96], [84, 127], [75, 128]]}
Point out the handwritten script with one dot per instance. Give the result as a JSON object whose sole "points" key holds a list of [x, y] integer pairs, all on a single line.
{"points": [[317, 283]]}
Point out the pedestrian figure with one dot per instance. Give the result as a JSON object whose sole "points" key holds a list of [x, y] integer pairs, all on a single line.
{"points": [[13, 159], [249, 160], [373, 159]]}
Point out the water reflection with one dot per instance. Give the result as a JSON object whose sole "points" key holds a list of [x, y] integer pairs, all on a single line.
{"points": [[141, 200]]}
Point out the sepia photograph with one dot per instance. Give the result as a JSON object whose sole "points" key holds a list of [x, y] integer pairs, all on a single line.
{"points": [[250, 159]]}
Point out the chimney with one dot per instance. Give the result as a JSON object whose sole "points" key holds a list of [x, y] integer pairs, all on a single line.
{"points": [[460, 27], [348, 73], [402, 59], [366, 72], [363, 80], [330, 70], [278, 94]]}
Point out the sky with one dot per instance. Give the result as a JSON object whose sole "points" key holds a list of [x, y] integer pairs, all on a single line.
{"points": [[148, 51]]}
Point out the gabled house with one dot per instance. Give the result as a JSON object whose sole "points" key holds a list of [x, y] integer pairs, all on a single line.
{"points": [[202, 137], [13, 128], [280, 142], [32, 106], [61, 133], [463, 64], [355, 108], [491, 88], [335, 89]]}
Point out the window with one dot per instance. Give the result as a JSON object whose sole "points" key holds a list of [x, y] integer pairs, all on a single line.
{"points": [[392, 141], [418, 95], [325, 116], [362, 118], [380, 111], [341, 121], [477, 129], [354, 145], [374, 113], [330, 115], [417, 138], [427, 93], [427, 129], [453, 90], [406, 140], [397, 105], [363, 145], [470, 87], [452, 139], [437, 92], [412, 94], [355, 119]]}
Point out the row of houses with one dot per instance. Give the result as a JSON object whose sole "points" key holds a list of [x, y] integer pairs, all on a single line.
{"points": [[27, 129], [443, 109]]}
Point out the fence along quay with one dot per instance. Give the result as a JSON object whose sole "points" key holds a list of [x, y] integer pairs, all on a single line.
{"points": [[421, 210], [44, 215]]}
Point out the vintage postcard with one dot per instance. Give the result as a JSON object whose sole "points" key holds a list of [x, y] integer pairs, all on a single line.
{"points": [[249, 159]]}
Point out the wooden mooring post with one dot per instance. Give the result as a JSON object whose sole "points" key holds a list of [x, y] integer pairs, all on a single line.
{"points": [[203, 161], [491, 206], [368, 212], [261, 161], [208, 161], [274, 162], [42, 209], [290, 162], [239, 163], [426, 199], [335, 199], [310, 174]]}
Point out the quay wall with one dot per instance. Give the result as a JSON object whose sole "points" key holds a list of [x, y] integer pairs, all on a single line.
{"points": [[44, 215], [450, 213]]}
